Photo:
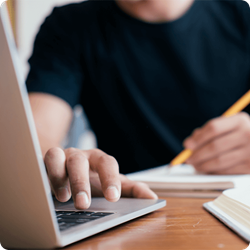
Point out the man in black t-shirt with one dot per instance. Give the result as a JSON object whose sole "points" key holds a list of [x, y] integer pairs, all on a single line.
{"points": [[147, 74]]}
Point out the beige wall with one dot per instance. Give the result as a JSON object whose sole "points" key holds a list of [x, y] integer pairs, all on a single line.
{"points": [[11, 9]]}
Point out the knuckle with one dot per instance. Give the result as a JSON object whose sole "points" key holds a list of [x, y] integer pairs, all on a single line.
{"points": [[78, 182], [76, 157], [53, 152], [213, 127], [196, 132], [244, 120], [244, 117], [107, 160], [244, 123], [97, 151], [70, 151]]}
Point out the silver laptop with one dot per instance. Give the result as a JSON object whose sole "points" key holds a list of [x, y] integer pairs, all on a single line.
{"points": [[28, 216]]}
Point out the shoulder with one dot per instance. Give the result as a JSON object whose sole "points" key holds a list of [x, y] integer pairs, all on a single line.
{"points": [[82, 12], [231, 15], [86, 7], [80, 18], [231, 9]]}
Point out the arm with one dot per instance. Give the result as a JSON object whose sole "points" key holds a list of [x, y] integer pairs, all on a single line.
{"points": [[52, 117], [80, 173]]}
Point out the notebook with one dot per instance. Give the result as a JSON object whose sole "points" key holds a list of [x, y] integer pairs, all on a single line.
{"points": [[29, 218], [184, 181], [232, 207]]}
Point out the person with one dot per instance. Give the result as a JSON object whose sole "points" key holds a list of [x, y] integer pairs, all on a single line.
{"points": [[147, 73]]}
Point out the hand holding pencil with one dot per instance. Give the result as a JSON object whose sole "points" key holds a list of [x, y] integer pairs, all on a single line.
{"points": [[222, 145]]}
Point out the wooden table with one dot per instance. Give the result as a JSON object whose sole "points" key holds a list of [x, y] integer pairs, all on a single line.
{"points": [[182, 224]]}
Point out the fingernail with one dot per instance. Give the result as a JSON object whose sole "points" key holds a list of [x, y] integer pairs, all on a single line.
{"points": [[63, 194], [82, 199], [112, 193]]}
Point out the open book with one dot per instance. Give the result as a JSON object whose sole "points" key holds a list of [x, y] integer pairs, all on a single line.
{"points": [[184, 181], [232, 207]]}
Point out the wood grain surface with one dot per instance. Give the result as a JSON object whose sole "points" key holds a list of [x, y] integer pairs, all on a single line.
{"points": [[182, 224]]}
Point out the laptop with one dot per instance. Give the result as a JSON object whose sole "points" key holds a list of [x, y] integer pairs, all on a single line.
{"points": [[29, 217]]}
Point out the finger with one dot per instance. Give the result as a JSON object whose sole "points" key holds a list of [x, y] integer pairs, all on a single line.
{"points": [[136, 189], [220, 163], [218, 146], [78, 171], [96, 187], [55, 164], [216, 127], [108, 170]]}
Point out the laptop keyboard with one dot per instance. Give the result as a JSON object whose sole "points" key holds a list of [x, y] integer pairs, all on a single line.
{"points": [[68, 219]]}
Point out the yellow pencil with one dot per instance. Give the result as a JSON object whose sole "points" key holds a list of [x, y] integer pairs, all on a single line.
{"points": [[235, 108]]}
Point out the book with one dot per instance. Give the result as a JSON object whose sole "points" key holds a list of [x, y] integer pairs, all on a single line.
{"points": [[184, 181], [232, 207]]}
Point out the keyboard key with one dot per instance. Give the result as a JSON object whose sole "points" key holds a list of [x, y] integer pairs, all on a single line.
{"points": [[68, 219], [84, 213], [75, 216], [102, 214], [64, 212]]}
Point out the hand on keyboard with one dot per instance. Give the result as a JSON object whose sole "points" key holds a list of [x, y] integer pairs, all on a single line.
{"points": [[91, 172]]}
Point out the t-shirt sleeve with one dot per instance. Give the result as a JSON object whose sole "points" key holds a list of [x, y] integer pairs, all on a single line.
{"points": [[55, 65]]}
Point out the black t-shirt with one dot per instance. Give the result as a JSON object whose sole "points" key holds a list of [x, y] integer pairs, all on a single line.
{"points": [[144, 87]]}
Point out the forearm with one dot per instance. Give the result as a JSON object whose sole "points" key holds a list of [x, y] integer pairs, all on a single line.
{"points": [[52, 118]]}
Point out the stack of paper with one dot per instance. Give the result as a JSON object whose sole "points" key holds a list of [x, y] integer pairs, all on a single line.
{"points": [[184, 181]]}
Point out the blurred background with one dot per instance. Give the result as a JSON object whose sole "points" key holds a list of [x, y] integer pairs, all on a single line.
{"points": [[26, 18]]}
